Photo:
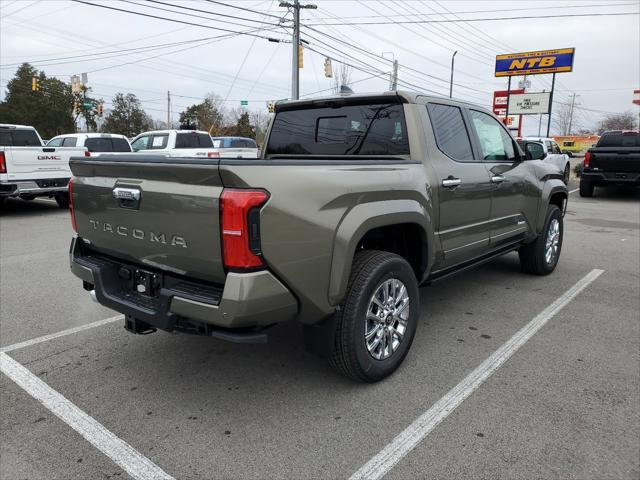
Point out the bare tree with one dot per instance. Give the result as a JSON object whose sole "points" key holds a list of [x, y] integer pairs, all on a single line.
{"points": [[562, 119], [260, 121], [341, 77], [620, 121]]}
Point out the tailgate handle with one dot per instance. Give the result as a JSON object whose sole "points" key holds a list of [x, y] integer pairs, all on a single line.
{"points": [[50, 149], [127, 197]]}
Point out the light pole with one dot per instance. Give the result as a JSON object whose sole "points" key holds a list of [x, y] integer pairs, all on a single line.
{"points": [[295, 57], [453, 58], [393, 76]]}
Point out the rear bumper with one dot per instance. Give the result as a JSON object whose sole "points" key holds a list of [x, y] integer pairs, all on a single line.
{"points": [[255, 299], [40, 187], [611, 178]]}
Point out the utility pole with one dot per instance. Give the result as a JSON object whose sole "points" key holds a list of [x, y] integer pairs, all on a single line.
{"points": [[453, 58], [295, 41], [168, 109], [394, 77], [573, 102]]}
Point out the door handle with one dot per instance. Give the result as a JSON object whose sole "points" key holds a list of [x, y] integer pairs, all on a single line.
{"points": [[497, 179], [451, 182]]}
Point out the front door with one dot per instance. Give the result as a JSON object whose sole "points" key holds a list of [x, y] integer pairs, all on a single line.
{"points": [[464, 190], [509, 178]]}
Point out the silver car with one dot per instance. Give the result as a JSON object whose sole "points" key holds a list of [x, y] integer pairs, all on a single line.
{"points": [[552, 155]]}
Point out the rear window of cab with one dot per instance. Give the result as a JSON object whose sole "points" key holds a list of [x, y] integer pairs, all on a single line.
{"points": [[347, 130]]}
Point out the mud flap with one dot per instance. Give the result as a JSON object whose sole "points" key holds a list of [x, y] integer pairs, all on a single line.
{"points": [[319, 337]]}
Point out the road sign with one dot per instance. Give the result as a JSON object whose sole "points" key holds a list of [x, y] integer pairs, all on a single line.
{"points": [[529, 103], [244, 102], [513, 123], [534, 63], [87, 104]]}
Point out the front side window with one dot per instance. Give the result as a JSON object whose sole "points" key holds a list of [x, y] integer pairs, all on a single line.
{"points": [[495, 143], [55, 142], [347, 130], [70, 142], [158, 142], [141, 143], [450, 131], [555, 148]]}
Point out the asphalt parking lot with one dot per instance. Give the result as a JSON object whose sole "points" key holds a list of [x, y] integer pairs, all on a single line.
{"points": [[566, 404]]}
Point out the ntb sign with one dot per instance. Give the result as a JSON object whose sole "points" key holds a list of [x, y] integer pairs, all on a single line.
{"points": [[532, 63]]}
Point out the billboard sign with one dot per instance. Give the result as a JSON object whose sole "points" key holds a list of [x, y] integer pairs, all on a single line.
{"points": [[529, 103], [534, 63], [636, 95], [500, 109]]}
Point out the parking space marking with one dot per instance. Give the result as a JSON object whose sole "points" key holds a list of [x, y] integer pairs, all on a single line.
{"points": [[130, 460], [408, 439], [62, 333], [573, 191]]}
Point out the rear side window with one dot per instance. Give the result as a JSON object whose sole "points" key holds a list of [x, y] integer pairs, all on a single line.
{"points": [[55, 142], [450, 131], [19, 138], [619, 139], [193, 140], [346, 130], [242, 143]]}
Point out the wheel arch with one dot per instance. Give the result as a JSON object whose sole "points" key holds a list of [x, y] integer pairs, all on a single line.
{"points": [[403, 223]]}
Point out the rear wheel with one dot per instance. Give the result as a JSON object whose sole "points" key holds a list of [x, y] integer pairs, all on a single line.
{"points": [[586, 188], [62, 199], [541, 256], [377, 320]]}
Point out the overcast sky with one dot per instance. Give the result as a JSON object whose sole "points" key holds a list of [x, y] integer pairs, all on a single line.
{"points": [[606, 69]]}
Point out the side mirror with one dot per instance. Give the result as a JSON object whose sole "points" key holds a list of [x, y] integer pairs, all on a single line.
{"points": [[534, 151]]}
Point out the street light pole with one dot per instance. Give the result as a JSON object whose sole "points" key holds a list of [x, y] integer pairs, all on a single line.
{"points": [[453, 58]]}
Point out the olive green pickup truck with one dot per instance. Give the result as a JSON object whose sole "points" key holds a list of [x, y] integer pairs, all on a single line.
{"points": [[354, 202]]}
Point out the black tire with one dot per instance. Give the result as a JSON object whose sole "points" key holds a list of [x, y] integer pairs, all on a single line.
{"points": [[532, 256], [3, 202], [586, 188], [349, 355], [62, 199], [566, 175]]}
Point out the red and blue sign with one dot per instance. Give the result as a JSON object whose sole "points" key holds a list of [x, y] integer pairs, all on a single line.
{"points": [[533, 63]]}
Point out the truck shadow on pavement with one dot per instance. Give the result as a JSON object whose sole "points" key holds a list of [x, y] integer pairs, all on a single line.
{"points": [[23, 208], [616, 194]]}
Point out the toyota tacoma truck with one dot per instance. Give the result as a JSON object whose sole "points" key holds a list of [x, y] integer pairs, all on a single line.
{"points": [[614, 161], [29, 170], [354, 203]]}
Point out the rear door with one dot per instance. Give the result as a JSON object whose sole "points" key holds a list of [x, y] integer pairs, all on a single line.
{"points": [[152, 211], [508, 177], [464, 191]]}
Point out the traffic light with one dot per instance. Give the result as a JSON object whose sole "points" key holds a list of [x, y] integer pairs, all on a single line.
{"points": [[35, 84], [300, 56], [328, 70], [100, 108], [271, 106]]}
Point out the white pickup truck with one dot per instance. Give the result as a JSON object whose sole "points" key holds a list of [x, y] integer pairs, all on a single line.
{"points": [[175, 143], [29, 170]]}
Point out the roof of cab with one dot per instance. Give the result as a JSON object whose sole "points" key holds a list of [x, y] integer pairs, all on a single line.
{"points": [[12, 126], [402, 95]]}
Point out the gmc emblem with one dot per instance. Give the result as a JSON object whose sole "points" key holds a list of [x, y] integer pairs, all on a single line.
{"points": [[49, 157]]}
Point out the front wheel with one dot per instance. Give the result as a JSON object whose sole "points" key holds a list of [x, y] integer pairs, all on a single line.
{"points": [[566, 176], [541, 256], [377, 320]]}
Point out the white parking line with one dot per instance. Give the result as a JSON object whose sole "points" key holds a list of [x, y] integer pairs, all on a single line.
{"points": [[573, 191], [123, 454], [63, 333], [407, 440]]}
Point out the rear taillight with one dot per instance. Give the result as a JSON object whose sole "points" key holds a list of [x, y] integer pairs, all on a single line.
{"points": [[213, 154], [587, 160], [72, 210], [3, 163], [241, 227], [87, 153]]}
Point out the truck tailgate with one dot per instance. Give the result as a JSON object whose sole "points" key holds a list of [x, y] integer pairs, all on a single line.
{"points": [[616, 159], [155, 211], [27, 162]]}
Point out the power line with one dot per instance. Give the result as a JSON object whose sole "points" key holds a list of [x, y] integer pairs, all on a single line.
{"points": [[243, 8], [492, 19]]}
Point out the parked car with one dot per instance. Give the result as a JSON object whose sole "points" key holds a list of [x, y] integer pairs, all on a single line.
{"points": [[29, 170], [615, 160], [368, 197], [552, 155], [95, 143], [236, 147], [175, 143]]}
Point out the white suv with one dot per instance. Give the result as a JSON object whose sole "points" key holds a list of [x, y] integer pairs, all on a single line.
{"points": [[94, 142]]}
